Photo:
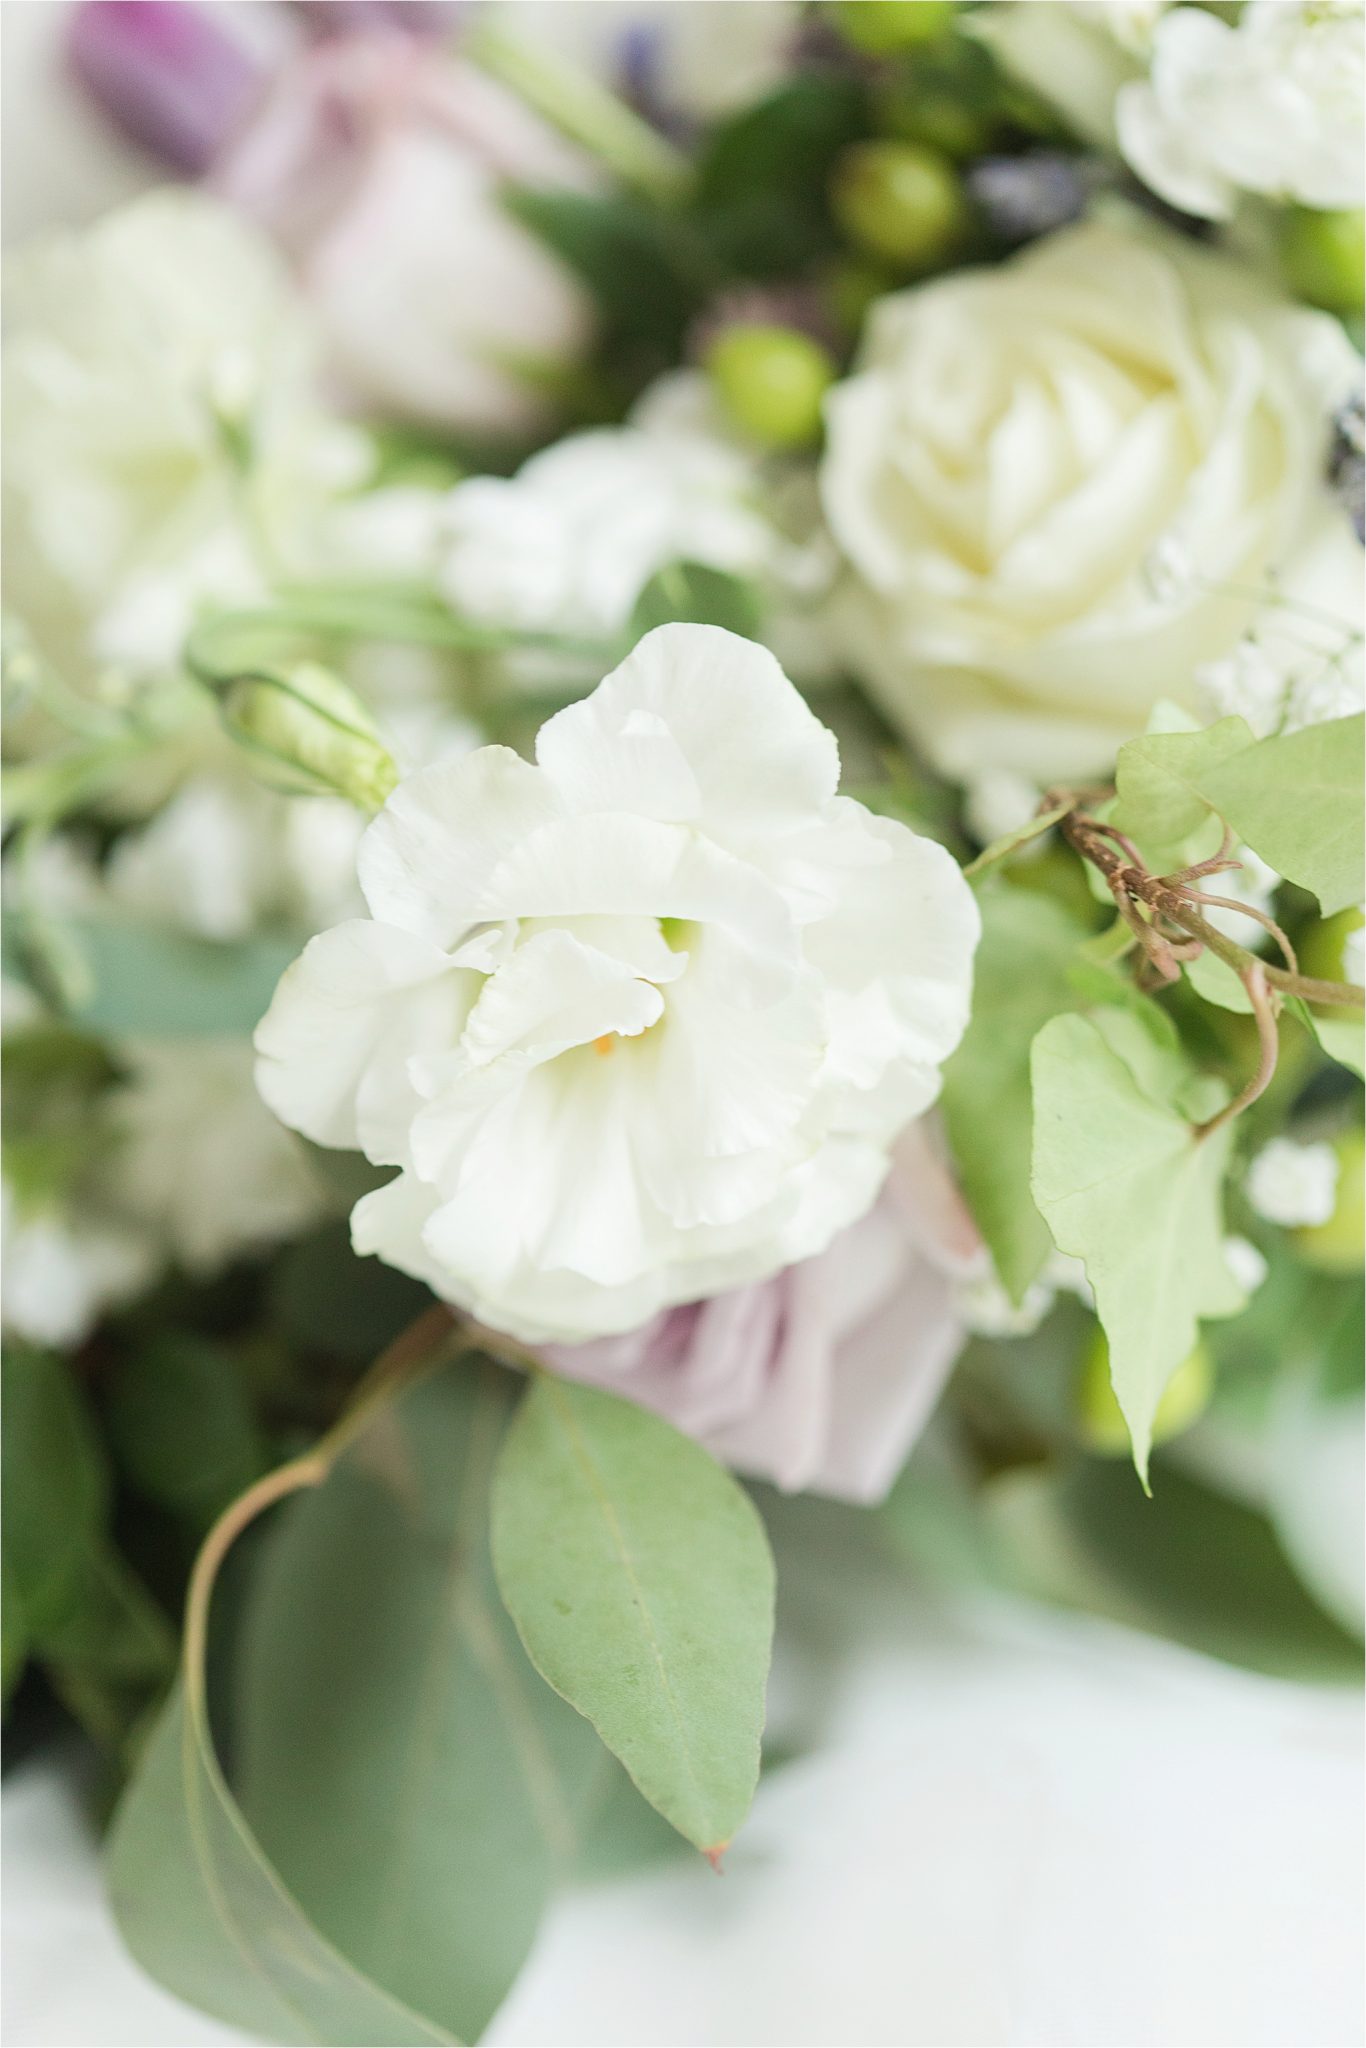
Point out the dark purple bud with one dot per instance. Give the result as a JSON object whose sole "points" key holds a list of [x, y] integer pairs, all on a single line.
{"points": [[1021, 197], [170, 75], [1347, 464]]}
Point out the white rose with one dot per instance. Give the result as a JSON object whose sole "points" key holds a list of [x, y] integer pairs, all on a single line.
{"points": [[1275, 104], [1019, 446], [638, 1022]]}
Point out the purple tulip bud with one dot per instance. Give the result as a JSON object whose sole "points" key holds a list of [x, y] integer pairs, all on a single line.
{"points": [[170, 75]]}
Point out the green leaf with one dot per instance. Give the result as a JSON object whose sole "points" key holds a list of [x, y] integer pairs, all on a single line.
{"points": [[182, 1426], [696, 595], [1299, 801], [1021, 980], [325, 1301], [1158, 782], [1125, 1185], [114, 1655], [1021, 836], [639, 263], [764, 175], [55, 1493], [1189, 1564], [150, 980], [196, 1898], [421, 1818], [13, 1629], [203, 1912], [1341, 1033], [641, 1583]]}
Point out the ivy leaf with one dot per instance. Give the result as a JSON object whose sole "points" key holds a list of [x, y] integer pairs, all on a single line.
{"points": [[1028, 944], [1340, 1033], [1158, 783], [1126, 1186], [1298, 800], [641, 1583]]}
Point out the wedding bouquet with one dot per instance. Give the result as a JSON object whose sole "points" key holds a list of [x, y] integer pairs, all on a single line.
{"points": [[684, 888]]}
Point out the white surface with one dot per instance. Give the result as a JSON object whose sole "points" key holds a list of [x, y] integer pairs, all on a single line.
{"points": [[1020, 1831]]}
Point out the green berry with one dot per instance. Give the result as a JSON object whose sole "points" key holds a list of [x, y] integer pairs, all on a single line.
{"points": [[900, 201], [771, 381], [881, 27], [927, 111], [1322, 255], [1103, 1428], [1336, 1246]]}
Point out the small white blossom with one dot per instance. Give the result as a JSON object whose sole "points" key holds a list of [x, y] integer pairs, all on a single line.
{"points": [[988, 1311], [1272, 104], [1245, 684], [1291, 1184], [638, 1022], [1333, 688], [1245, 1263], [64, 1266], [1254, 882], [200, 1162]]}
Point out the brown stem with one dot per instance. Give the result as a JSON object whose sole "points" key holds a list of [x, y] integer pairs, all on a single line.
{"points": [[1264, 1010]]}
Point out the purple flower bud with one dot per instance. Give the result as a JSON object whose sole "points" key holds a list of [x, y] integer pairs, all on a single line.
{"points": [[1021, 197], [170, 75]]}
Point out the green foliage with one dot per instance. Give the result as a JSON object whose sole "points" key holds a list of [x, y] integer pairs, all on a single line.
{"points": [[55, 1492], [697, 595], [1009, 842], [182, 1426], [143, 979], [1296, 799], [762, 180], [641, 265], [641, 1583], [413, 1782], [1021, 980], [326, 1301], [204, 1913], [1128, 1186]]}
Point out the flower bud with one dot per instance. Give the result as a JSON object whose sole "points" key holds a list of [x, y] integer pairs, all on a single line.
{"points": [[1324, 259], [771, 381], [308, 733], [1100, 1422], [881, 27], [1335, 1246], [900, 201]]}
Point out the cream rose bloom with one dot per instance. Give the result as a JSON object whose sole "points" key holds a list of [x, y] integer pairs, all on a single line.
{"points": [[637, 1022], [1064, 484]]}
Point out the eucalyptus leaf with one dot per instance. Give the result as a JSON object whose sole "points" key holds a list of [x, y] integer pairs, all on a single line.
{"points": [[1127, 1186], [1021, 980], [195, 1896], [181, 1423], [422, 1817], [142, 979], [641, 1582]]}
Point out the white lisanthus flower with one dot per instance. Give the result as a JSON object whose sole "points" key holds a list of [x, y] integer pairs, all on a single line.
{"points": [[64, 1266], [1274, 103], [198, 1161], [1018, 447], [1291, 1184], [637, 1022], [567, 545]]}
